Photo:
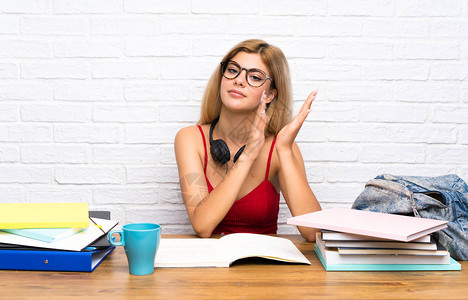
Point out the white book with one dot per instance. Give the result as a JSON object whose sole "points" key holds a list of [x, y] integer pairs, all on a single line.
{"points": [[222, 252], [332, 256], [388, 244], [329, 235], [363, 251]]}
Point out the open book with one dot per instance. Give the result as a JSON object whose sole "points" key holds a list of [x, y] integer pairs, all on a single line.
{"points": [[183, 253]]}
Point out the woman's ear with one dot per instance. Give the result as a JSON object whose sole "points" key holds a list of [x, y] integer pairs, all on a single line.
{"points": [[270, 95]]}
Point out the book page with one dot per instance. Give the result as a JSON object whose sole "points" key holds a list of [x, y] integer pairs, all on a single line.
{"points": [[98, 256], [257, 245], [197, 252]]}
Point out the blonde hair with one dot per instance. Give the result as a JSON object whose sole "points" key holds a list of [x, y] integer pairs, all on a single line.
{"points": [[279, 109]]}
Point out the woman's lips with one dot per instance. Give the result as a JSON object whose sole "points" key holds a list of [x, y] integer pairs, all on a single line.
{"points": [[236, 93]]}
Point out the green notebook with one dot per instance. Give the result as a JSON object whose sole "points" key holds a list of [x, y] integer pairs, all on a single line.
{"points": [[453, 266], [48, 235]]}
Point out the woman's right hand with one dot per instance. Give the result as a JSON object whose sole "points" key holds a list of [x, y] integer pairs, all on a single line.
{"points": [[288, 133]]}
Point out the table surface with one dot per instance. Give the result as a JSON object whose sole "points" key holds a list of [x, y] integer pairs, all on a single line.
{"points": [[254, 279]]}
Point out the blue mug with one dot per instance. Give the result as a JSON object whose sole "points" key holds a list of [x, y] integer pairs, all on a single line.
{"points": [[141, 242]]}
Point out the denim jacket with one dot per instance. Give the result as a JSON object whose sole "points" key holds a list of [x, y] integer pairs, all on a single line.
{"points": [[442, 198]]}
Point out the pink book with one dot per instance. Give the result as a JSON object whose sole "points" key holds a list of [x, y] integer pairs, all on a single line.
{"points": [[388, 226]]}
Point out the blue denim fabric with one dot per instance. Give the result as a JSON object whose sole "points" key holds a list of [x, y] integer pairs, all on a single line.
{"points": [[442, 198]]}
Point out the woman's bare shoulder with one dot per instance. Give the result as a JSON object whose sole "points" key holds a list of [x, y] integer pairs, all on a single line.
{"points": [[189, 137], [187, 133], [188, 130]]}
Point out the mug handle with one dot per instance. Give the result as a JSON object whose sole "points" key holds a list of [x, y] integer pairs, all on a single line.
{"points": [[112, 240]]}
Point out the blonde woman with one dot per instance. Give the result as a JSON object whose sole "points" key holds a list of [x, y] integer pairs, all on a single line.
{"points": [[234, 163]]}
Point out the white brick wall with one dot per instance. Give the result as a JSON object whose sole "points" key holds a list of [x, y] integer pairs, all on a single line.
{"points": [[93, 92]]}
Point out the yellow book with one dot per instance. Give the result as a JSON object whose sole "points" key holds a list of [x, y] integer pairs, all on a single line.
{"points": [[43, 215]]}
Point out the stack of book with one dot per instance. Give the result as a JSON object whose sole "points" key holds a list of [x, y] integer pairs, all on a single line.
{"points": [[53, 237], [354, 240]]}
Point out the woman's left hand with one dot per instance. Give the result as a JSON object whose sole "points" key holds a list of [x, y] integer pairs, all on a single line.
{"points": [[288, 133]]}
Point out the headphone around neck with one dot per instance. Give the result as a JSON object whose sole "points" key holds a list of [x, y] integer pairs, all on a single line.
{"points": [[219, 149]]}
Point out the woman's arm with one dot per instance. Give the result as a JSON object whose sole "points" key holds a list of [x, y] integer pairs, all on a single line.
{"points": [[295, 188], [292, 176], [207, 210]]}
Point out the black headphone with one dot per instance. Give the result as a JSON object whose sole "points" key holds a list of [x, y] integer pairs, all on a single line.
{"points": [[219, 150]]}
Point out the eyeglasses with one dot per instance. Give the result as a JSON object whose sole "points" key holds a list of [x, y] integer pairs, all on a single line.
{"points": [[255, 77]]}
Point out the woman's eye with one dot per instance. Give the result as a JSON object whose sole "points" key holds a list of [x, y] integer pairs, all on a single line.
{"points": [[255, 78], [232, 70]]}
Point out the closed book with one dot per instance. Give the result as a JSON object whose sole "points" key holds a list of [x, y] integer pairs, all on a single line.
{"points": [[452, 266], [332, 256], [46, 260], [43, 215], [380, 245], [329, 235], [76, 242], [369, 223], [441, 251], [48, 235]]}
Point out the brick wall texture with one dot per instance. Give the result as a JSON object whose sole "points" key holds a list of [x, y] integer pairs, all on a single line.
{"points": [[92, 94]]}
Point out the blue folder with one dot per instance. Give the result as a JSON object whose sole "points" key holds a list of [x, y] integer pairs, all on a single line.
{"points": [[52, 260]]}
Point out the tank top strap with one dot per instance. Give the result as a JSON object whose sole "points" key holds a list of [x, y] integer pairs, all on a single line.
{"points": [[269, 158], [204, 145]]}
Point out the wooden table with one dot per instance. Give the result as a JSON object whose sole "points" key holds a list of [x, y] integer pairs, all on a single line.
{"points": [[252, 280]]}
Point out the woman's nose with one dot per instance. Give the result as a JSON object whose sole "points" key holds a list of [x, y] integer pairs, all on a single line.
{"points": [[241, 78]]}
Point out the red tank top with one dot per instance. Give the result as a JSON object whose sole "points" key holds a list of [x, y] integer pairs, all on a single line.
{"points": [[256, 212]]}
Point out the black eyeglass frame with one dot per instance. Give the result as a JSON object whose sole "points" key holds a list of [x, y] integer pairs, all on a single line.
{"points": [[223, 69]]}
